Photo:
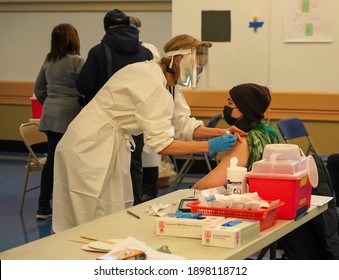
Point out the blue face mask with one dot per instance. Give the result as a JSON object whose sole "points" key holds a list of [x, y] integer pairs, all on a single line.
{"points": [[199, 70]]}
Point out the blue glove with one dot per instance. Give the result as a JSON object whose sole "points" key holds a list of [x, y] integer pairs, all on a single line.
{"points": [[222, 143], [181, 214]]}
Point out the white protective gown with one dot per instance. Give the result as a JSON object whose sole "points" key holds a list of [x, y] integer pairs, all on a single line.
{"points": [[92, 160], [149, 158]]}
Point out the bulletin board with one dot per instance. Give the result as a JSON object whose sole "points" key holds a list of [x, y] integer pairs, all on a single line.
{"points": [[308, 21]]}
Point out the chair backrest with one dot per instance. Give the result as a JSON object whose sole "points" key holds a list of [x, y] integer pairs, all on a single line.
{"points": [[32, 136], [214, 120], [293, 128]]}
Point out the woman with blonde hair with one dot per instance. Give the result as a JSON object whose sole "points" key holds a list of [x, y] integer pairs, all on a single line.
{"points": [[92, 174]]}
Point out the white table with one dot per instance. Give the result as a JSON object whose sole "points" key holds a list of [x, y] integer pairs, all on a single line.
{"points": [[121, 225]]}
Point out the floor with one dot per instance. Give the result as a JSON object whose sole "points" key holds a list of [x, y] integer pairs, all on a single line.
{"points": [[17, 229]]}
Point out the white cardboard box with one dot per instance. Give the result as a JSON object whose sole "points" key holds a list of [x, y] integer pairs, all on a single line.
{"points": [[183, 227], [230, 233]]}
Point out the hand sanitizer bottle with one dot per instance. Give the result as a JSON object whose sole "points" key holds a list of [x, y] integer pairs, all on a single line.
{"points": [[236, 178]]}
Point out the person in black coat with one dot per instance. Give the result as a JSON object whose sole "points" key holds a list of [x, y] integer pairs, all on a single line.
{"points": [[333, 169], [125, 47]]}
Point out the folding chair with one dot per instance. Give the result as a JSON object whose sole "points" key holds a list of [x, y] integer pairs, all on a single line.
{"points": [[293, 128], [191, 158], [31, 136]]}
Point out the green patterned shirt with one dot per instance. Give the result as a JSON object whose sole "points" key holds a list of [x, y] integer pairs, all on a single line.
{"points": [[257, 139]]}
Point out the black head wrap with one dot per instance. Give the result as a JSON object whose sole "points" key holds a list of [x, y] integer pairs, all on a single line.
{"points": [[252, 100]]}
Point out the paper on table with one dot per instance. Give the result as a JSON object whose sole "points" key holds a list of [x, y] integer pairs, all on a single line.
{"points": [[132, 243], [154, 209], [99, 246], [319, 200]]}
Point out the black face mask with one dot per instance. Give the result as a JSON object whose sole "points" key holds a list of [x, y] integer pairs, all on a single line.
{"points": [[242, 123], [227, 115]]}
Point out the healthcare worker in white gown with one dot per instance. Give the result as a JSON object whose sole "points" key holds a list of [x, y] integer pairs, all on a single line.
{"points": [[92, 160]]}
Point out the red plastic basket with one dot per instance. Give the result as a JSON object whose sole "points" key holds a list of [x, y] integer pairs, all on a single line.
{"points": [[266, 216]]}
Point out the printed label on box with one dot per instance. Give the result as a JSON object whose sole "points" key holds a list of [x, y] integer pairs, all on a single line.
{"points": [[231, 233], [172, 226]]}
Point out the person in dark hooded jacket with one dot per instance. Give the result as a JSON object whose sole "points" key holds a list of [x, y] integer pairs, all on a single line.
{"points": [[123, 47]]}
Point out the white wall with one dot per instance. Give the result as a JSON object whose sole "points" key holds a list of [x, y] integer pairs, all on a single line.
{"points": [[303, 66], [245, 58], [262, 57], [25, 37]]}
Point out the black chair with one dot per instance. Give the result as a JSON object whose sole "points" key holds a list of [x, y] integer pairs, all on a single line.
{"points": [[293, 128], [191, 158]]}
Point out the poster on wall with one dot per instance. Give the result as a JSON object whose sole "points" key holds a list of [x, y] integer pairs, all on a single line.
{"points": [[308, 21]]}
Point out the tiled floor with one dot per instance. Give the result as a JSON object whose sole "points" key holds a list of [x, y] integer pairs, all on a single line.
{"points": [[17, 229]]}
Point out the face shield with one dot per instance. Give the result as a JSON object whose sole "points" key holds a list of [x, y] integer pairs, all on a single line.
{"points": [[192, 65], [202, 67]]}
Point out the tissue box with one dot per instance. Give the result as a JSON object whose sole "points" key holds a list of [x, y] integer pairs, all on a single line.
{"points": [[182, 227], [230, 233]]}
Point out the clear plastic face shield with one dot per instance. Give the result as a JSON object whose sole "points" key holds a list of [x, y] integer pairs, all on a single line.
{"points": [[193, 66], [202, 67]]}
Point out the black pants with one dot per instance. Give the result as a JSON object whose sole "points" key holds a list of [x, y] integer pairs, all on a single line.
{"points": [[136, 168], [144, 180], [150, 181], [47, 174], [333, 169]]}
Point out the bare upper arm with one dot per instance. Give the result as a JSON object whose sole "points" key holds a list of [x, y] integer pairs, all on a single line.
{"points": [[218, 176]]}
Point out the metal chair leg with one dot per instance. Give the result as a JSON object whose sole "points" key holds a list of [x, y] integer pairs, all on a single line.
{"points": [[180, 176], [24, 191], [207, 162]]}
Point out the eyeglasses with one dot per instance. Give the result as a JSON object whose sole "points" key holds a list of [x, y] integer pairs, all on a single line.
{"points": [[230, 103]]}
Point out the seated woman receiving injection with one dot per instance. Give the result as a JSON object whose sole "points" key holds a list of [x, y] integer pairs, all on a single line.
{"points": [[245, 109]]}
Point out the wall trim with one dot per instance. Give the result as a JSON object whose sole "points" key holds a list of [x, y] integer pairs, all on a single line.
{"points": [[16, 92], [321, 106], [84, 6]]}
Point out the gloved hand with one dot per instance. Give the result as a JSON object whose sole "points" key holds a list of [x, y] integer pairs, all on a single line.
{"points": [[181, 214], [222, 143]]}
